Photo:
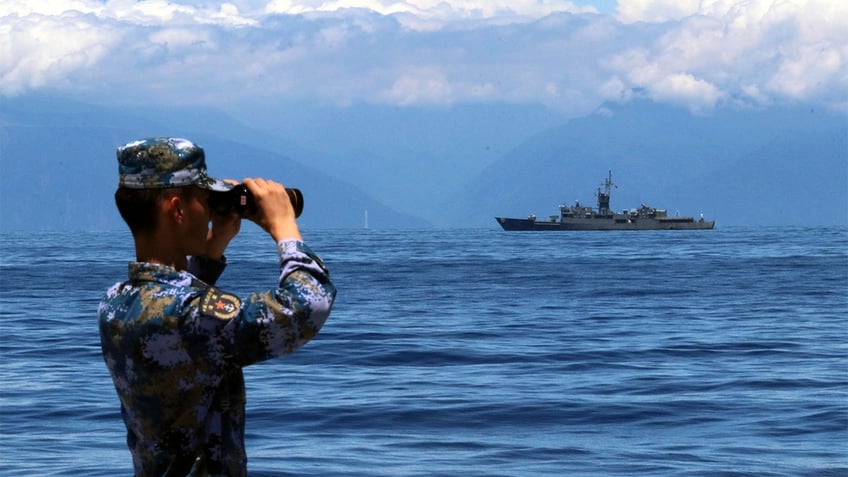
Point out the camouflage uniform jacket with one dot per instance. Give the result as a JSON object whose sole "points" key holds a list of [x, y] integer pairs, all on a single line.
{"points": [[175, 346]]}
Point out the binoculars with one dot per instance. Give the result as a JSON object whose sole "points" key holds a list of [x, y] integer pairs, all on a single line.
{"points": [[239, 199]]}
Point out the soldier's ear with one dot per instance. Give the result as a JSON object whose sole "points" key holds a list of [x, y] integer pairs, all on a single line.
{"points": [[173, 207]]}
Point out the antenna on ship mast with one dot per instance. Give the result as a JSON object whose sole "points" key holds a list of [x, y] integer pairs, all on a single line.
{"points": [[608, 183], [604, 197]]}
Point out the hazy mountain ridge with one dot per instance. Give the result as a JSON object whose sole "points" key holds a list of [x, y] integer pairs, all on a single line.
{"points": [[770, 167], [667, 158], [406, 157], [59, 170]]}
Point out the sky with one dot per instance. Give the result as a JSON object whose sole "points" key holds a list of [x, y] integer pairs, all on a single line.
{"points": [[570, 56]]}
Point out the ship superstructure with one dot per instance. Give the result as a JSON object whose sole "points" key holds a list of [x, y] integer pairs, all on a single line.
{"points": [[580, 217]]}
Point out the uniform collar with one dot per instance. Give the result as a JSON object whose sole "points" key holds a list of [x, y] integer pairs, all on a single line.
{"points": [[156, 272]]}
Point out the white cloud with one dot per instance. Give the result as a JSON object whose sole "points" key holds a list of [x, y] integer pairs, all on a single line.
{"points": [[698, 53], [805, 73], [758, 50], [614, 89], [421, 85], [144, 12], [685, 89], [445, 11], [39, 51], [177, 38]]}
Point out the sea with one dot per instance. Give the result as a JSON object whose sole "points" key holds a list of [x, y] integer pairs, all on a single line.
{"points": [[476, 352]]}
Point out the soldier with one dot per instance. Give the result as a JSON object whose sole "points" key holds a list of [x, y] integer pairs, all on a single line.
{"points": [[174, 343]]}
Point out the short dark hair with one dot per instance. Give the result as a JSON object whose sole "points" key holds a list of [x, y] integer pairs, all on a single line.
{"points": [[138, 206]]}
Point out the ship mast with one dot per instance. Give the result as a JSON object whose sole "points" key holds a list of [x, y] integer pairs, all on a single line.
{"points": [[604, 197]]}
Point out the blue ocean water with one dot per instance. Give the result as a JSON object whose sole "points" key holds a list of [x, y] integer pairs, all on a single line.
{"points": [[477, 353]]}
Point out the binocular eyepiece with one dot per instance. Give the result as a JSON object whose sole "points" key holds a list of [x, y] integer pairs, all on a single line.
{"points": [[239, 199]]}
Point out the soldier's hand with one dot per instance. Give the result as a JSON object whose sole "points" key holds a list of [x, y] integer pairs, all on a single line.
{"points": [[274, 209]]}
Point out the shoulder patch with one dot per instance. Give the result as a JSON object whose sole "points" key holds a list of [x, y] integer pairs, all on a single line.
{"points": [[221, 305]]}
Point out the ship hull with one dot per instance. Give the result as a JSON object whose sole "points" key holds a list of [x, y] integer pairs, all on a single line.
{"points": [[581, 217], [605, 224]]}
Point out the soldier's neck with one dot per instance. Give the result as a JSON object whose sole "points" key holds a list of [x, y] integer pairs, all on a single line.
{"points": [[156, 248]]}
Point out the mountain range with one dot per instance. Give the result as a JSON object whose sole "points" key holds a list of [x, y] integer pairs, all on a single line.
{"points": [[447, 167]]}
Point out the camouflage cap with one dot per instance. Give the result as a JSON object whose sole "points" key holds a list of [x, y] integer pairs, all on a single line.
{"points": [[161, 162]]}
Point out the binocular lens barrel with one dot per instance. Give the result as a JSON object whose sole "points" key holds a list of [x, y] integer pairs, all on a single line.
{"points": [[296, 198], [239, 199]]}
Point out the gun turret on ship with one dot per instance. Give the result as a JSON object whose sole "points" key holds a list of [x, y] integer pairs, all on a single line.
{"points": [[579, 217]]}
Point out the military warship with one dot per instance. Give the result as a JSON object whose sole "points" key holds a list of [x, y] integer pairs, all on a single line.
{"points": [[579, 217]]}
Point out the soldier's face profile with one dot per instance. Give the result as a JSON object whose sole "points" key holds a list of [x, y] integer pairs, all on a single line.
{"points": [[197, 216]]}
